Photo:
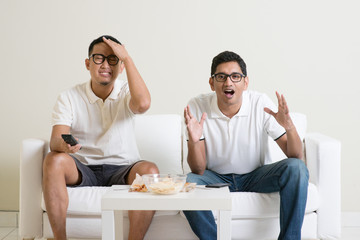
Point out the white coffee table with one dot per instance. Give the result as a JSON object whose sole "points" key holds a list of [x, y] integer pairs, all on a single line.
{"points": [[117, 200]]}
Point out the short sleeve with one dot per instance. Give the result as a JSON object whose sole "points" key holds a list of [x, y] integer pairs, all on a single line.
{"points": [[62, 112]]}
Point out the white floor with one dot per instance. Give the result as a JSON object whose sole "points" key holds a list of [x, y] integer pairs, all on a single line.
{"points": [[8, 233], [348, 233], [350, 222]]}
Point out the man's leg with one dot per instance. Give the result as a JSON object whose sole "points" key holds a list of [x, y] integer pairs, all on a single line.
{"points": [[59, 169], [140, 220], [293, 196], [202, 222], [290, 177]]}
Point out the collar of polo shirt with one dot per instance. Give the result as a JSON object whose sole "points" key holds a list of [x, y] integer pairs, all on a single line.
{"points": [[243, 112], [93, 98]]}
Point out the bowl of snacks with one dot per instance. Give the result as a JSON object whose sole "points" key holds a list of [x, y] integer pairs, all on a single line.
{"points": [[164, 183]]}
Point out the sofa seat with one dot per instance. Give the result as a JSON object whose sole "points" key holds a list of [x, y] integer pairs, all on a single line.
{"points": [[87, 201], [261, 210], [265, 205]]}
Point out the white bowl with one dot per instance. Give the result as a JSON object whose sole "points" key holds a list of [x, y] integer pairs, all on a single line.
{"points": [[164, 183]]}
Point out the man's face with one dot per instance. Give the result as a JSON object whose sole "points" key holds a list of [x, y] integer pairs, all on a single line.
{"points": [[229, 94], [103, 73]]}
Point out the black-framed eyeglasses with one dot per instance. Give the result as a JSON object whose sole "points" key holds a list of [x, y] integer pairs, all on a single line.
{"points": [[99, 59], [222, 77]]}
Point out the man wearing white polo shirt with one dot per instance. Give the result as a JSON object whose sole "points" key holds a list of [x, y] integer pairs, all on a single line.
{"points": [[99, 114], [227, 134]]}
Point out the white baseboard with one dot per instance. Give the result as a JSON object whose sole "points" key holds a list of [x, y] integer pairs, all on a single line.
{"points": [[350, 219], [8, 219]]}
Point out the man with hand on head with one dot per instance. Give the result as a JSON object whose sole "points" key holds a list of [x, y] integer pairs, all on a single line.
{"points": [[227, 133], [99, 114]]}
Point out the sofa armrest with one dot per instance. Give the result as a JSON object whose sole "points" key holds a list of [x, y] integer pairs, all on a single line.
{"points": [[323, 161], [31, 159]]}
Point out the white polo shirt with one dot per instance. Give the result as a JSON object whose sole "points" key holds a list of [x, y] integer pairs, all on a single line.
{"points": [[104, 128], [236, 145]]}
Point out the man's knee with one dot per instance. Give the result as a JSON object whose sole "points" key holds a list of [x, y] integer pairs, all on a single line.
{"points": [[297, 167], [146, 167], [141, 168], [55, 161], [196, 178]]}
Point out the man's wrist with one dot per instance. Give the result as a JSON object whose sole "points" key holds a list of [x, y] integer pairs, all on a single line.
{"points": [[290, 128], [126, 59], [194, 142]]}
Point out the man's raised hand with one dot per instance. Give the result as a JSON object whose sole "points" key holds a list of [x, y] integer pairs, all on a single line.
{"points": [[194, 127], [283, 114]]}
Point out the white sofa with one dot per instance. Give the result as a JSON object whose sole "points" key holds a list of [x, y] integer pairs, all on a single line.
{"points": [[254, 215]]}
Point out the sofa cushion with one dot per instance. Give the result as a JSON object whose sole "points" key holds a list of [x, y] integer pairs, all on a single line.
{"points": [[266, 205], [87, 201], [159, 140]]}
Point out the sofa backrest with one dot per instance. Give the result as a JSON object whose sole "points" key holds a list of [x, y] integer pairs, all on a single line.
{"points": [[159, 139]]}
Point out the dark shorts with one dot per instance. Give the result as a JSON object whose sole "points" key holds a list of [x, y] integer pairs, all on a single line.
{"points": [[102, 175]]}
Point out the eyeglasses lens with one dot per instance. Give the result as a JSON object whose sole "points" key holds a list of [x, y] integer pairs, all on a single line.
{"points": [[99, 59], [235, 77], [112, 59]]}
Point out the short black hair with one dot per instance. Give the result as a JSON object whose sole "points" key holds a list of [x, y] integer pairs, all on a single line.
{"points": [[99, 40], [228, 56]]}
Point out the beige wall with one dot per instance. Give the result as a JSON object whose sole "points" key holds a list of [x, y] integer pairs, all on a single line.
{"points": [[308, 50]]}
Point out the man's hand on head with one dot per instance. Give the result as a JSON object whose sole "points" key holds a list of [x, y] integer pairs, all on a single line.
{"points": [[118, 49]]}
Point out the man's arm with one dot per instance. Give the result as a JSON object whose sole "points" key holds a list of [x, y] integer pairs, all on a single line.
{"points": [[57, 144], [140, 95], [290, 143], [196, 147]]}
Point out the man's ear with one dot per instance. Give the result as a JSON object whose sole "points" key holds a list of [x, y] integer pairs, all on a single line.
{"points": [[211, 82], [87, 64], [246, 82], [122, 66]]}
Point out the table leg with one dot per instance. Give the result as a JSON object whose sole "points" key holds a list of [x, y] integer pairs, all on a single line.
{"points": [[112, 225], [224, 225], [119, 225]]}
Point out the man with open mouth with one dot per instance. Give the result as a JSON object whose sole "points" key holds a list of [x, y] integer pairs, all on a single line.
{"points": [[228, 131]]}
